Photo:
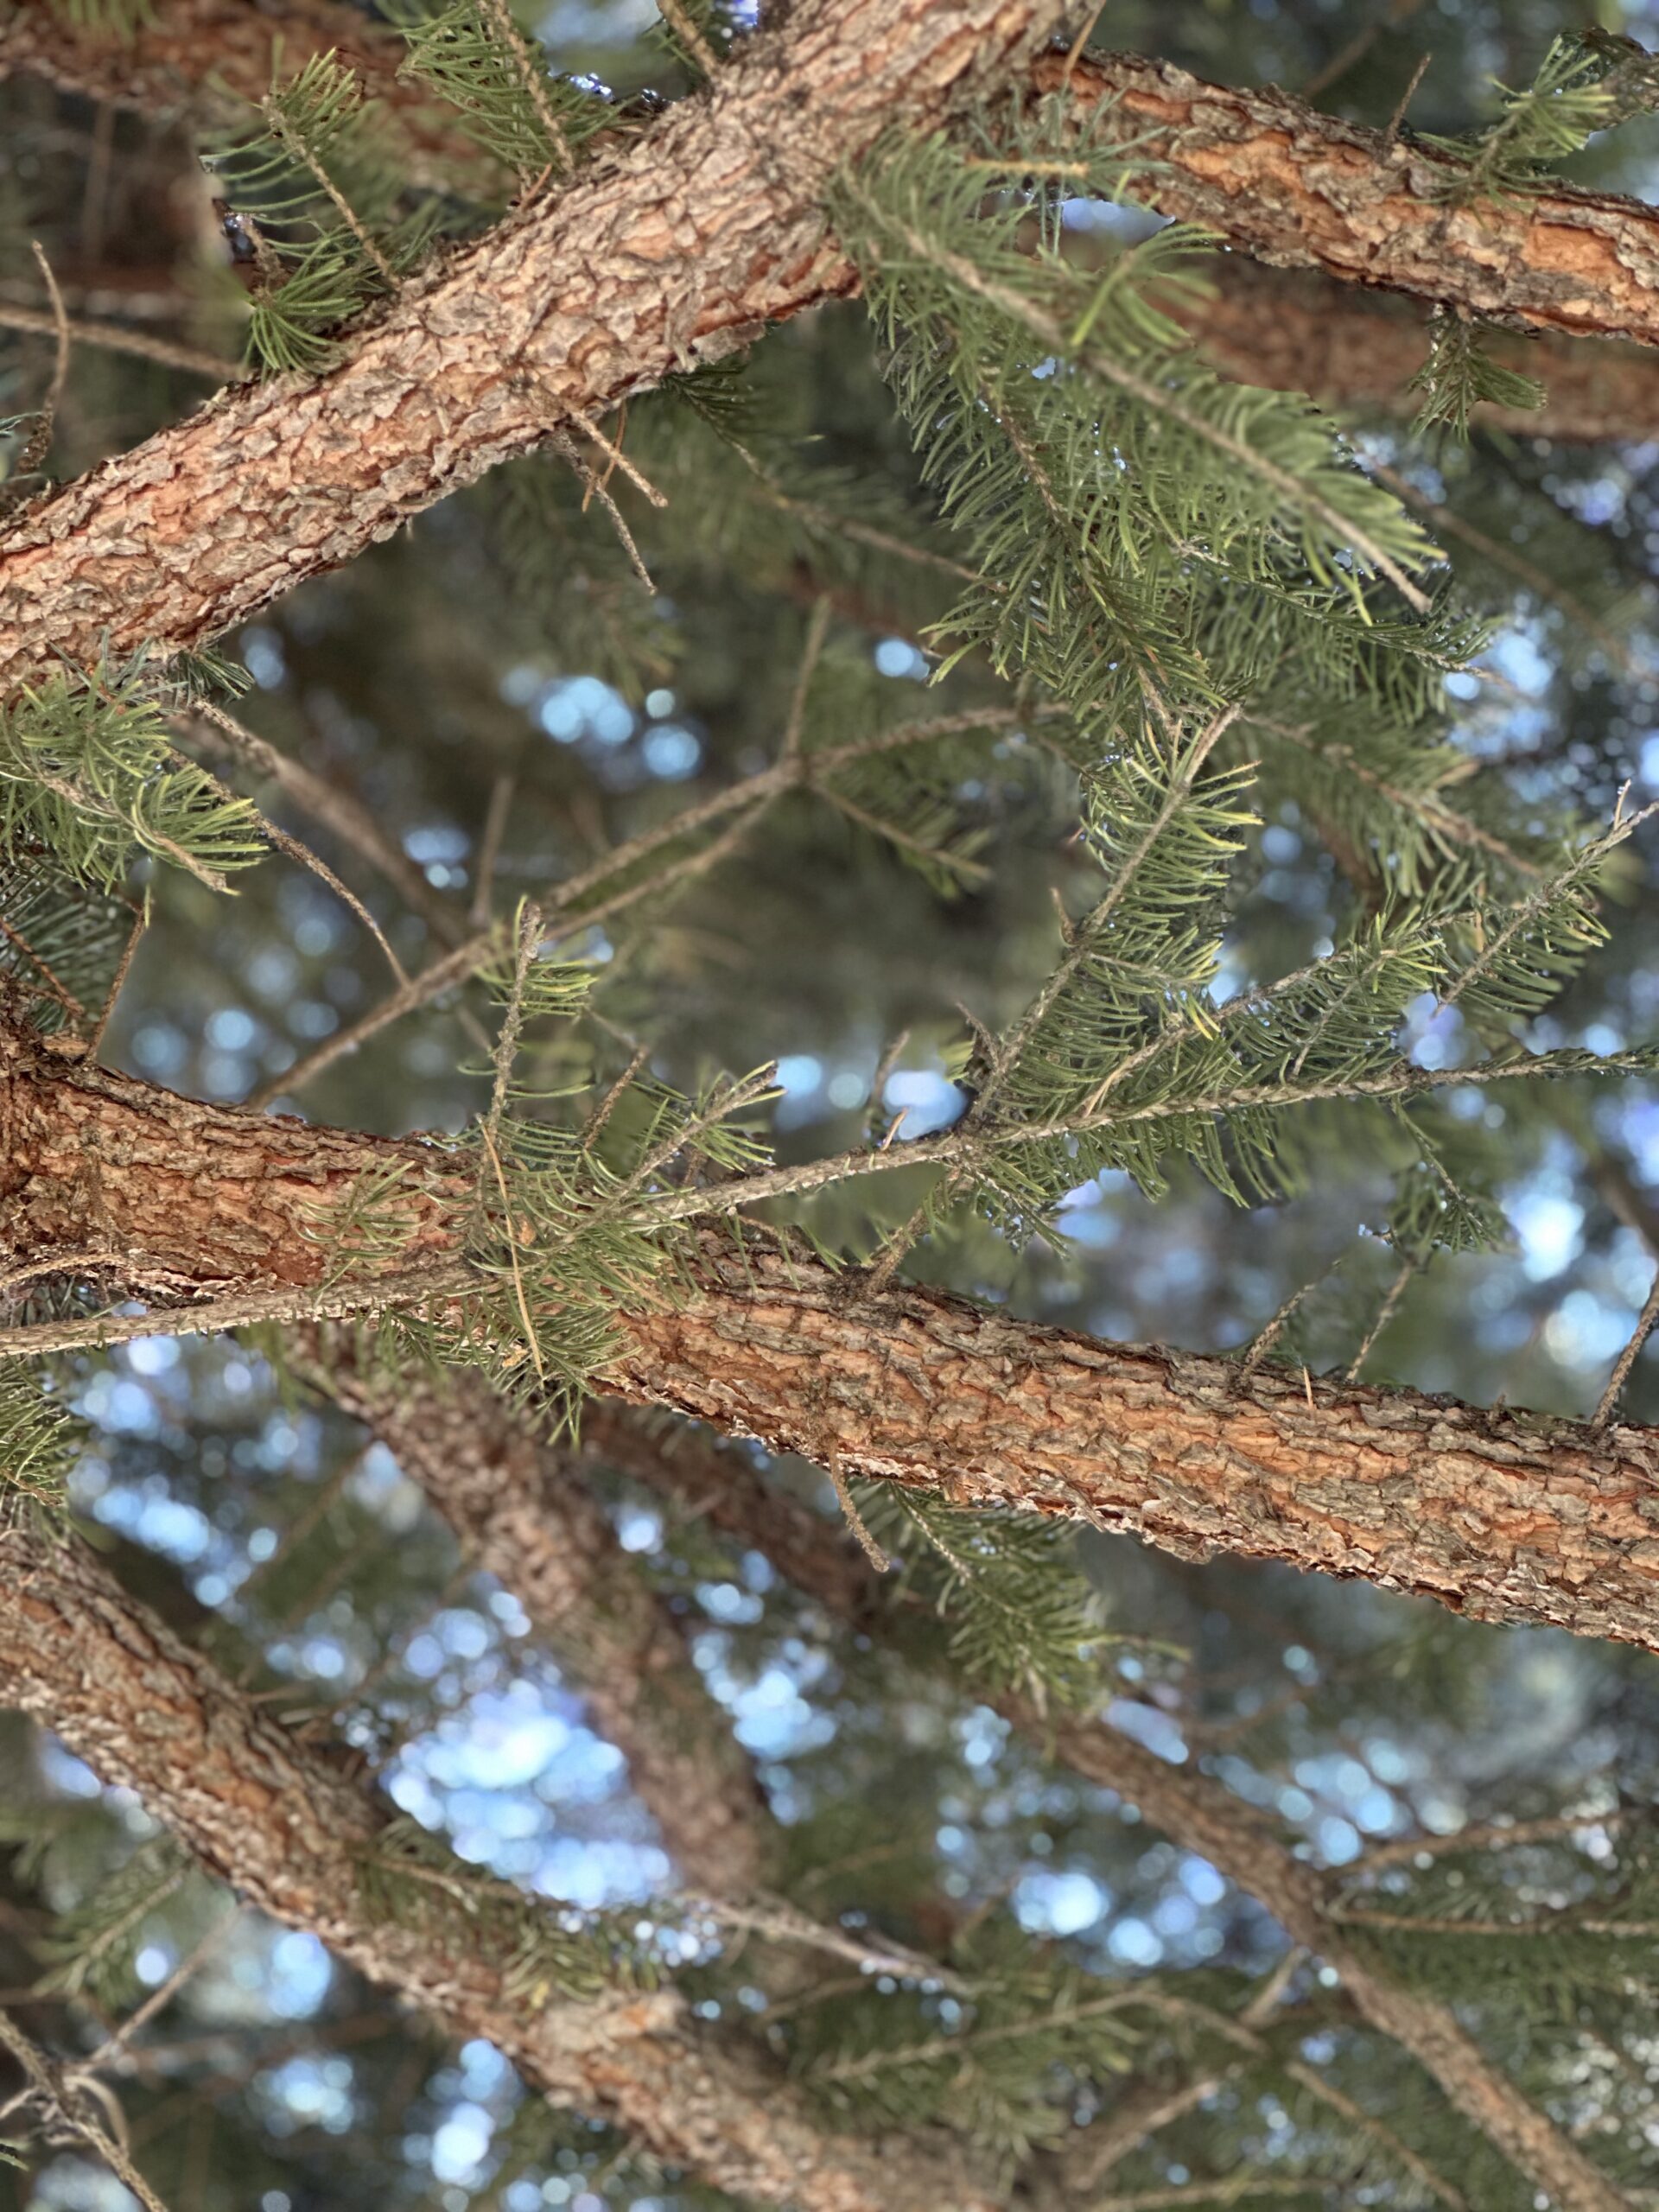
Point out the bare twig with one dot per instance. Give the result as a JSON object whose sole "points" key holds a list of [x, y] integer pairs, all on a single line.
{"points": [[117, 982], [1396, 1291], [431, 984], [593, 487], [58, 2099], [118, 337], [1627, 1359], [295, 849], [489, 849], [794, 729]]}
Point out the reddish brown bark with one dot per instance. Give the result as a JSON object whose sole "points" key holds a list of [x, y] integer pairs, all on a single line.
{"points": [[1502, 1514], [519, 1506], [1299, 332], [673, 248], [667, 252], [714, 1480], [267, 1814], [207, 58], [1298, 189]]}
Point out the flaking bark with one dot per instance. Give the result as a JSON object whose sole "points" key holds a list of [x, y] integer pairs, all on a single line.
{"points": [[1501, 1514], [287, 1830], [1297, 189]]}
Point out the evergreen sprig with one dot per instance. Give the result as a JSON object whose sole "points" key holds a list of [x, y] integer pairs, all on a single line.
{"points": [[40, 1438], [1021, 1614], [324, 192], [1545, 123], [88, 774], [1460, 374], [1149, 535], [60, 942], [996, 2062], [496, 78]]}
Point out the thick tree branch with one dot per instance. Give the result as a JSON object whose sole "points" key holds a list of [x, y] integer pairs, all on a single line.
{"points": [[666, 252], [711, 1478], [1298, 189], [1501, 1514], [519, 1506], [1299, 332], [674, 248], [288, 1831], [206, 59]]}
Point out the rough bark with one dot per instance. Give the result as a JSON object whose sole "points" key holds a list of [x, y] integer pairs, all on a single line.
{"points": [[1298, 189], [1502, 1514], [519, 1506], [667, 252], [714, 1480], [1299, 332], [287, 1831], [672, 248]]}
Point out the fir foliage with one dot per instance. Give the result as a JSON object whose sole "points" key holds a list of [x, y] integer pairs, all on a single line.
{"points": [[40, 1439], [1545, 123], [88, 774], [1020, 1614], [1459, 375], [995, 2056], [60, 944], [496, 78], [317, 183]]}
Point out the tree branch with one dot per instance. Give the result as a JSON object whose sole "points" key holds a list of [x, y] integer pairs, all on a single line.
{"points": [[1283, 183], [288, 1831], [668, 252], [207, 58], [1501, 1514], [1349, 348], [1185, 1804], [520, 1507]]}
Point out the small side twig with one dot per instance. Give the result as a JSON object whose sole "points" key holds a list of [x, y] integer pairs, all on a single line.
{"points": [[117, 982], [855, 1520], [680, 21], [36, 447], [593, 487], [489, 849], [1396, 1291], [1609, 1397]]}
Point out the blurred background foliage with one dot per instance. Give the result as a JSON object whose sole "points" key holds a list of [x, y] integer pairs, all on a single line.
{"points": [[501, 655]]}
